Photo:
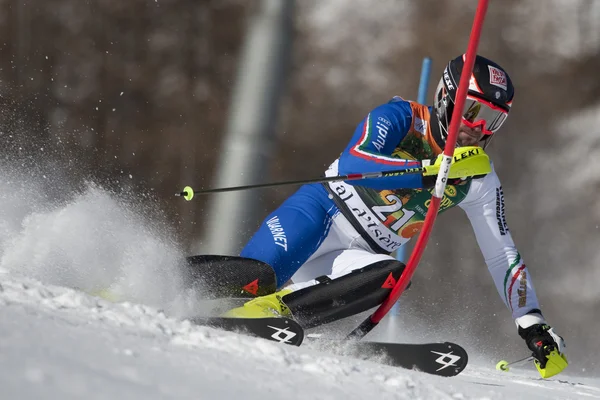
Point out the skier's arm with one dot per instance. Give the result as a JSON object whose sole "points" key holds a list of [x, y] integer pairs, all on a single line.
{"points": [[484, 206], [373, 143]]}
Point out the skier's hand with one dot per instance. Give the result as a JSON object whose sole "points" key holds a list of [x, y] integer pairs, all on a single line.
{"points": [[547, 348], [469, 161]]}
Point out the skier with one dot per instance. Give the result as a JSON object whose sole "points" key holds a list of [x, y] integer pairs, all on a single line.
{"points": [[329, 244]]}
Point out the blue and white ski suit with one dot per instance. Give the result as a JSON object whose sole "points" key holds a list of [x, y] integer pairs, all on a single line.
{"points": [[332, 229]]}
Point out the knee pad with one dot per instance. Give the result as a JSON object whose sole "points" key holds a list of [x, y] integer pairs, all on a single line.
{"points": [[358, 291]]}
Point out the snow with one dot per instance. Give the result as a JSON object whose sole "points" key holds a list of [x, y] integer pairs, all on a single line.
{"points": [[57, 342], [60, 343]]}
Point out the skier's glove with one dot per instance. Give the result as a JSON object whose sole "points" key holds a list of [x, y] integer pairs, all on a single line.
{"points": [[470, 161], [547, 348]]}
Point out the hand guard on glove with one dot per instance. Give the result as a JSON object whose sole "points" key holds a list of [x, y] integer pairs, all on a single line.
{"points": [[470, 161], [547, 347]]}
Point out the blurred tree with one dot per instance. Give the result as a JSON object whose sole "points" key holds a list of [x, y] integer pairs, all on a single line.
{"points": [[132, 93]]}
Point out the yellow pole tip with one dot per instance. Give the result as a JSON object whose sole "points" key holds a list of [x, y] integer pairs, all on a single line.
{"points": [[188, 193], [502, 365]]}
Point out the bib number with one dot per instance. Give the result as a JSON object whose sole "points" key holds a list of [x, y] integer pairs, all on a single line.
{"points": [[394, 206]]}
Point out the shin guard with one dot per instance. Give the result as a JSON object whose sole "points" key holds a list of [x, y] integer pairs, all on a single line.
{"points": [[348, 295], [228, 276]]}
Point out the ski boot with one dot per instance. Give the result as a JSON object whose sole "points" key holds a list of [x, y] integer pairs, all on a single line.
{"points": [[262, 307]]}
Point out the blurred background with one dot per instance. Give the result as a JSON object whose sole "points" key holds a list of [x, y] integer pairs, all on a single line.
{"points": [[147, 96]]}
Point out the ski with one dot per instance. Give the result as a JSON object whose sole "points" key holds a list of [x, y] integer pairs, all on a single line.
{"points": [[277, 329], [443, 359]]}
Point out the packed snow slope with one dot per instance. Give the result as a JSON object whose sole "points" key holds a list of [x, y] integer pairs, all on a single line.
{"points": [[60, 343], [56, 342]]}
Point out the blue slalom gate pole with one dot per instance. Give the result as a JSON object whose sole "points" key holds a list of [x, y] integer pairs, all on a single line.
{"points": [[421, 99], [424, 82]]}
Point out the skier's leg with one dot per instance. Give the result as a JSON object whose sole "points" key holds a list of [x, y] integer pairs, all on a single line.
{"points": [[350, 278], [292, 233], [339, 295], [327, 298]]}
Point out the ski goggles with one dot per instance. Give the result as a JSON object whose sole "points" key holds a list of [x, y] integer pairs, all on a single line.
{"points": [[481, 113]]}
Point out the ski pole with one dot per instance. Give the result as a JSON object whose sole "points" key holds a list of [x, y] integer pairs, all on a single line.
{"points": [[503, 364], [188, 193]]}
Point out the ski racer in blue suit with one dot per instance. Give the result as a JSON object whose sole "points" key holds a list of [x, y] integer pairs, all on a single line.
{"points": [[329, 244]]}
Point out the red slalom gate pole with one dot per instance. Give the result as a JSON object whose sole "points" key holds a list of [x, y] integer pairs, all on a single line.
{"points": [[440, 183]]}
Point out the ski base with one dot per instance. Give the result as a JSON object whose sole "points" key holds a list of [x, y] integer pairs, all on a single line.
{"points": [[277, 329], [443, 359]]}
